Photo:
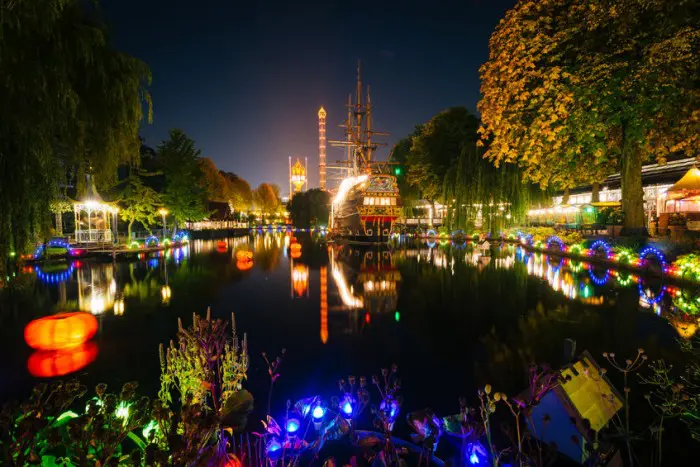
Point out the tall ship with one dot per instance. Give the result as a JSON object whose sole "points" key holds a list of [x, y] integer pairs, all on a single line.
{"points": [[367, 203]]}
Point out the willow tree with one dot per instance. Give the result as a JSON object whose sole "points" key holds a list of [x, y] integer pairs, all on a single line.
{"points": [[574, 89], [476, 187], [446, 165], [69, 101]]}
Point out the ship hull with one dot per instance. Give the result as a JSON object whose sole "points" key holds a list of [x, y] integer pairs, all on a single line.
{"points": [[367, 211]]}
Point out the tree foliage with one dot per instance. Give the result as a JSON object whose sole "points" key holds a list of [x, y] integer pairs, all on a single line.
{"points": [[446, 165], [400, 154], [240, 196], [184, 196], [137, 201], [266, 198], [310, 208], [68, 100], [574, 89]]}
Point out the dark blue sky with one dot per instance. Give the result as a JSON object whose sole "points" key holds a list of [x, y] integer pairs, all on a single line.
{"points": [[245, 79]]}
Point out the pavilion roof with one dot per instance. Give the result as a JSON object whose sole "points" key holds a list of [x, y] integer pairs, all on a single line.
{"points": [[688, 185], [90, 193]]}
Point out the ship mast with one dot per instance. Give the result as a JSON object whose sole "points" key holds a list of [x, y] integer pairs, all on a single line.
{"points": [[358, 134]]}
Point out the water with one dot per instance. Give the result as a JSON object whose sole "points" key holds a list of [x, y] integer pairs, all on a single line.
{"points": [[452, 317]]}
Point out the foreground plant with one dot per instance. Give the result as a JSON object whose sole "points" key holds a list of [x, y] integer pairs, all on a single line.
{"points": [[206, 368], [43, 430]]}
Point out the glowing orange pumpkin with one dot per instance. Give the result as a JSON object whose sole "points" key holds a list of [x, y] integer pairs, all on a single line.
{"points": [[244, 255], [60, 331], [52, 363], [244, 265]]}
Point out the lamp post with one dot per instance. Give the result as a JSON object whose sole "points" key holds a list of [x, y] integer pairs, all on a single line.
{"points": [[163, 212]]}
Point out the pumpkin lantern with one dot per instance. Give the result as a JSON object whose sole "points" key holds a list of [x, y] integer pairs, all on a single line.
{"points": [[244, 265], [60, 331], [52, 363], [295, 250]]}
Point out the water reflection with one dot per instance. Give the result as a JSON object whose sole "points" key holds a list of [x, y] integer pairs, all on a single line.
{"points": [[365, 279], [474, 292]]}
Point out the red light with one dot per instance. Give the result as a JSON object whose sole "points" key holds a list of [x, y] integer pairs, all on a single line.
{"points": [[367, 318]]}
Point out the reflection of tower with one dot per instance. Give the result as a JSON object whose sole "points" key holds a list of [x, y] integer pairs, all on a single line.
{"points": [[322, 148], [297, 177], [324, 304]]}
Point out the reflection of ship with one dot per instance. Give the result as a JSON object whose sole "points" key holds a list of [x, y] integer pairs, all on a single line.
{"points": [[366, 279], [367, 202]]}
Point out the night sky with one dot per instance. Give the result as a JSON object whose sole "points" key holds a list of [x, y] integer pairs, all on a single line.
{"points": [[245, 79]]}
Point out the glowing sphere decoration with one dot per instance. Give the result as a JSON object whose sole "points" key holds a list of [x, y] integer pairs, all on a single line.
{"points": [[295, 249], [221, 246], [60, 331], [53, 363], [244, 265]]}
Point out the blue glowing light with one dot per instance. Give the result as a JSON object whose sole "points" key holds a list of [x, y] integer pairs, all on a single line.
{"points": [[474, 459], [292, 425], [600, 244], [599, 280], [347, 408], [273, 446], [651, 251], [318, 412], [558, 241]]}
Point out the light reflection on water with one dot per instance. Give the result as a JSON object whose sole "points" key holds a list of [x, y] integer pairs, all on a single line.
{"points": [[338, 303]]}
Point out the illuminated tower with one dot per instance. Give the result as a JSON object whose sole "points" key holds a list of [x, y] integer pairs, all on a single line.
{"points": [[322, 147], [297, 177]]}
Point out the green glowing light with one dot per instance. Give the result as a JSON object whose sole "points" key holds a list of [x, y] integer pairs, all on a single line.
{"points": [[397, 316], [122, 411], [151, 427], [12, 254], [586, 292], [397, 171]]}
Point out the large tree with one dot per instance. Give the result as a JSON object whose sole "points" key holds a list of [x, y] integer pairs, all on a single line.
{"points": [[310, 208], [266, 199], [213, 182], [69, 100], [446, 165], [437, 147], [184, 196], [240, 195], [574, 89], [137, 201], [400, 155]]}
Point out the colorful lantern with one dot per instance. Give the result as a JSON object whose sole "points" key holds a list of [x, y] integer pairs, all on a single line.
{"points": [[53, 363], [60, 331], [244, 255], [244, 265]]}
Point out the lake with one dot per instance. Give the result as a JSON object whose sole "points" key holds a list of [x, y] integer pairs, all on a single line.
{"points": [[451, 316]]}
